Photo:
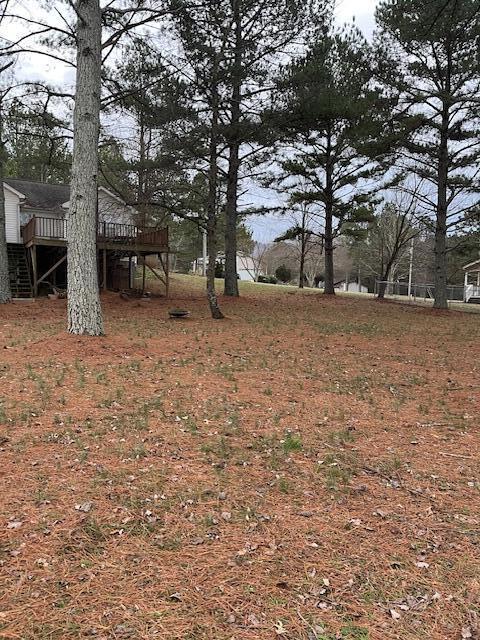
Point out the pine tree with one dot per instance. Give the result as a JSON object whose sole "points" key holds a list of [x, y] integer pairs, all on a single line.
{"points": [[38, 148], [5, 293], [429, 59], [96, 32], [260, 31], [203, 32], [84, 309], [334, 119]]}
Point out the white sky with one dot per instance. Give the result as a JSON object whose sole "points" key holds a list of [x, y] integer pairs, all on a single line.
{"points": [[265, 228], [360, 10]]}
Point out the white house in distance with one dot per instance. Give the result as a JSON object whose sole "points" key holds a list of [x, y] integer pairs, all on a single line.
{"points": [[247, 268], [353, 287], [36, 231], [472, 282]]}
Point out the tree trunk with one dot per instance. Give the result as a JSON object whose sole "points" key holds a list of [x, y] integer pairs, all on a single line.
{"points": [[231, 280], [383, 284], [212, 206], [84, 309], [382, 287], [5, 293], [329, 288], [440, 247], [303, 244]]}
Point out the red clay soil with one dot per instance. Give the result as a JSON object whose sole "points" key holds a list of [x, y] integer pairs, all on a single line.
{"points": [[307, 468]]}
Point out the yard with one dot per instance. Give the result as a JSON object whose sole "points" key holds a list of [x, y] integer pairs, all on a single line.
{"points": [[306, 469]]}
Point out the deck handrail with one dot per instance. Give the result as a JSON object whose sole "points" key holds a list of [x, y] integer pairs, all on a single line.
{"points": [[472, 291], [46, 227], [28, 231]]}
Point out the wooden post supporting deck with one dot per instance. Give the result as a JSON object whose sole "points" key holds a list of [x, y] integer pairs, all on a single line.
{"points": [[167, 278], [52, 269], [104, 284], [34, 270]]}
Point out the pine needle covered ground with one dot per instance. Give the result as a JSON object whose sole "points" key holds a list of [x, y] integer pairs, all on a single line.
{"points": [[307, 468]]}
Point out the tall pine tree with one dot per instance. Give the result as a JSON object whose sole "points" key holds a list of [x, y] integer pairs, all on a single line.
{"points": [[334, 119], [429, 57]]}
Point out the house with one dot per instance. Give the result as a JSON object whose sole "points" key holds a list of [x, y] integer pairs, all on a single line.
{"points": [[247, 268], [471, 292], [352, 287], [36, 219]]}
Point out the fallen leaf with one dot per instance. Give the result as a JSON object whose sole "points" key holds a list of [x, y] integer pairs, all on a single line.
{"points": [[253, 620], [85, 507], [280, 629]]}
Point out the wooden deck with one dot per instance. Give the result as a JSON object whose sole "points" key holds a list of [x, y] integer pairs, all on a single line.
{"points": [[112, 236], [127, 240]]}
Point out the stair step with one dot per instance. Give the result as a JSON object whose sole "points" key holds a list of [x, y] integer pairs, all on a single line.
{"points": [[19, 272]]}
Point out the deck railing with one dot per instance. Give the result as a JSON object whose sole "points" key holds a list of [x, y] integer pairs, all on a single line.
{"points": [[472, 291], [41, 227]]}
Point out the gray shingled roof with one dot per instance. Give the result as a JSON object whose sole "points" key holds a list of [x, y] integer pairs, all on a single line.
{"points": [[39, 195]]}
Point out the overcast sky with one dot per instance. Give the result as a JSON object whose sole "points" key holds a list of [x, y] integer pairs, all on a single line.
{"points": [[360, 10], [265, 228]]}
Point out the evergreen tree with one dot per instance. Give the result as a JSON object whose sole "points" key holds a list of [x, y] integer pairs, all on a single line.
{"points": [[5, 292], [428, 54], [202, 32], [260, 30], [334, 119], [38, 148]]}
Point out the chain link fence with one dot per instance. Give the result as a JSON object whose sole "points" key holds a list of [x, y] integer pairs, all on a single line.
{"points": [[416, 291]]}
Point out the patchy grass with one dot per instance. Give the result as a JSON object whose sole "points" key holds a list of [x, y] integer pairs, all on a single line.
{"points": [[304, 469]]}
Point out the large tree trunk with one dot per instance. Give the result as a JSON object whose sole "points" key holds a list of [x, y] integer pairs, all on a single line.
{"points": [[5, 293], [212, 206], [303, 247], [329, 275], [382, 287], [440, 247], [84, 309], [440, 253], [231, 280], [329, 288]]}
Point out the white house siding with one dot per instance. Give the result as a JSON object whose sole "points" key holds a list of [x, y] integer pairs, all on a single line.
{"points": [[12, 226], [25, 216], [245, 268], [112, 210], [352, 287]]}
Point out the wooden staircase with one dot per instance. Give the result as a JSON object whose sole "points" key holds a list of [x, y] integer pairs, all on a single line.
{"points": [[19, 271]]}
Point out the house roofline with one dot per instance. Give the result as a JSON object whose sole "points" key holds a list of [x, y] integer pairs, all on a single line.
{"points": [[66, 205], [471, 264], [13, 190]]}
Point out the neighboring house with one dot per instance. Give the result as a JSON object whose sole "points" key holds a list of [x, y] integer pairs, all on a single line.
{"points": [[352, 287], [345, 285], [247, 268], [472, 282], [36, 218]]}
